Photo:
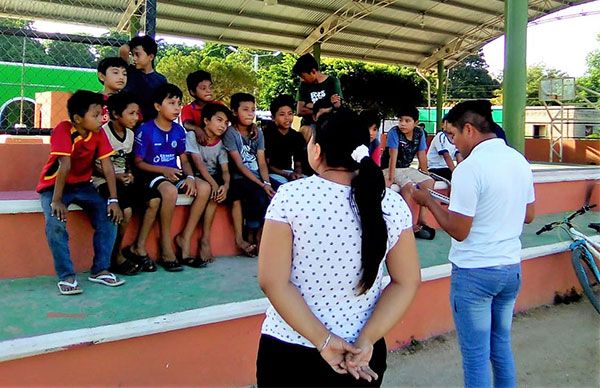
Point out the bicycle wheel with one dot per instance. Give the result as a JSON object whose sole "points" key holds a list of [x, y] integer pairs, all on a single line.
{"points": [[589, 281]]}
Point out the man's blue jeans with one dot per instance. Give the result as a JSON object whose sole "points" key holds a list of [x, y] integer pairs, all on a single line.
{"points": [[105, 233], [482, 301]]}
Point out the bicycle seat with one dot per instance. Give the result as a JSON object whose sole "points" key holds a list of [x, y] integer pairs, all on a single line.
{"points": [[595, 226]]}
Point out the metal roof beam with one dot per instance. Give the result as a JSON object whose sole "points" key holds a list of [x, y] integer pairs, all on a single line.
{"points": [[213, 24], [470, 7], [230, 12], [133, 8], [371, 46], [367, 58], [432, 14], [342, 18], [233, 41]]}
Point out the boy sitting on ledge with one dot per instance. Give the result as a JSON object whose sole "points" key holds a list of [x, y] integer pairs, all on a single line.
{"points": [[65, 179]]}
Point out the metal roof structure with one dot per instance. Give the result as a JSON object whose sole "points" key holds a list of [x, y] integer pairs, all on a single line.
{"points": [[415, 33]]}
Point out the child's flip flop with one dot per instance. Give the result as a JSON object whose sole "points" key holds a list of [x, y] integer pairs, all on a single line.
{"points": [[109, 279], [75, 289]]}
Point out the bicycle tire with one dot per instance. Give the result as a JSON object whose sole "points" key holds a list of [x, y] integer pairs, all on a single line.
{"points": [[588, 280]]}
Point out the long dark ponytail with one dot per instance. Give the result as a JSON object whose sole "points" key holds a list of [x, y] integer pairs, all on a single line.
{"points": [[339, 134]]}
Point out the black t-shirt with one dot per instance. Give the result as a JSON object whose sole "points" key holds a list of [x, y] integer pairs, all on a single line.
{"points": [[143, 86], [283, 150], [311, 93]]}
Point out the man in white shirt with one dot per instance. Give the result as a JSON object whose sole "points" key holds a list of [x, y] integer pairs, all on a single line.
{"points": [[442, 153], [492, 195]]}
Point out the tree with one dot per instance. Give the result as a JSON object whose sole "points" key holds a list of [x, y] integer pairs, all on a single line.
{"points": [[277, 79], [470, 79], [70, 54], [380, 87], [591, 79], [21, 49], [535, 74], [176, 65], [230, 76], [110, 51]]}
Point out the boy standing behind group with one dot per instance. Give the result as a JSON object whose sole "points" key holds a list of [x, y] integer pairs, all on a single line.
{"points": [[158, 143], [112, 74], [199, 84], [314, 86], [65, 179], [142, 79], [284, 146]]}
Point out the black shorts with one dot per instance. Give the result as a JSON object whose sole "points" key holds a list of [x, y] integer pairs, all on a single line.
{"points": [[283, 364], [151, 181], [443, 172], [231, 193], [128, 195]]}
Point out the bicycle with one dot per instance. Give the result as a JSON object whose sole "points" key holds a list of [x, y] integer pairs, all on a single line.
{"points": [[585, 254]]}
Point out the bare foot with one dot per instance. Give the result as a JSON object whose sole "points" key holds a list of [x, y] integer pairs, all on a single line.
{"points": [[206, 252], [247, 248], [183, 245]]}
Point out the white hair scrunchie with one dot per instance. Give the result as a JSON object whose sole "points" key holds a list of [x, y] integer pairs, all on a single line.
{"points": [[360, 152]]}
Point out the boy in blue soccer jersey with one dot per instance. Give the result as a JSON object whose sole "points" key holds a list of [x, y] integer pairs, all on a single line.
{"points": [[158, 143]]}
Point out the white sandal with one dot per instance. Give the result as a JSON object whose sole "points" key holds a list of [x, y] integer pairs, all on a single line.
{"points": [[109, 279], [75, 289]]}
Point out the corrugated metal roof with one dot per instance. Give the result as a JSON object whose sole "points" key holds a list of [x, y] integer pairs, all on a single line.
{"points": [[409, 32]]}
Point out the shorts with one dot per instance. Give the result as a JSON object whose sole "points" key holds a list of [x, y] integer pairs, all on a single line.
{"points": [[407, 175], [231, 193], [443, 172], [151, 181]]}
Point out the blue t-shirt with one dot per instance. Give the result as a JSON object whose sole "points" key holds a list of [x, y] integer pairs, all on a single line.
{"points": [[143, 86], [407, 149], [158, 147]]}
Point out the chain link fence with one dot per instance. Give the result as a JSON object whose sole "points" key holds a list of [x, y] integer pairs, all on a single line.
{"points": [[44, 59]]}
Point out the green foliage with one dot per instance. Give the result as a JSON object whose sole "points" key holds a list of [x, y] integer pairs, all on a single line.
{"points": [[70, 54], [176, 65], [108, 51], [471, 80], [229, 77], [277, 79], [19, 49], [591, 79], [380, 87], [535, 74]]}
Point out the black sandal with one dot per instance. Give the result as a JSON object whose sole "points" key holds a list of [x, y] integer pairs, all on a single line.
{"points": [[127, 268], [170, 265], [194, 262], [145, 263]]}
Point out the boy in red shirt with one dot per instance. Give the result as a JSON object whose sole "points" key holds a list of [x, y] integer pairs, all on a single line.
{"points": [[65, 179], [112, 74], [199, 84]]}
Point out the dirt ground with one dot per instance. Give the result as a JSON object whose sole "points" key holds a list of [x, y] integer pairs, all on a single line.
{"points": [[554, 346]]}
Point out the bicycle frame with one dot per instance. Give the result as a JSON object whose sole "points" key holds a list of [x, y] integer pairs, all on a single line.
{"points": [[582, 239]]}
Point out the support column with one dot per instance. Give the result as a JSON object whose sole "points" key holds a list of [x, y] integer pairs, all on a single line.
{"points": [[317, 52], [515, 72], [439, 105], [150, 27]]}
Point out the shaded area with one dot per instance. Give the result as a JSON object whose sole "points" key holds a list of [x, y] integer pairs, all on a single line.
{"points": [[32, 306]]}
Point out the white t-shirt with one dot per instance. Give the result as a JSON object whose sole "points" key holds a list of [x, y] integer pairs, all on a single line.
{"points": [[439, 146], [213, 155], [493, 185], [123, 147], [326, 254]]}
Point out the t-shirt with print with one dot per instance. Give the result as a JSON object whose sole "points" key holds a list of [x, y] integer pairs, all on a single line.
{"points": [[66, 141], [407, 149], [248, 149], [143, 86], [192, 112], [105, 115], [213, 155], [311, 93], [326, 254], [439, 146], [282, 151], [158, 147], [493, 185], [122, 147]]}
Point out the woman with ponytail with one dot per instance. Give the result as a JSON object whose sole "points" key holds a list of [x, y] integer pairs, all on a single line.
{"points": [[321, 266]]}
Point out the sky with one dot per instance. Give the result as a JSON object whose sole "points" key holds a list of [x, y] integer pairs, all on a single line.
{"points": [[560, 44]]}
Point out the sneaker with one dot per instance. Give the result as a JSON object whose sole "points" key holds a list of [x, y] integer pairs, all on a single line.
{"points": [[425, 232]]}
